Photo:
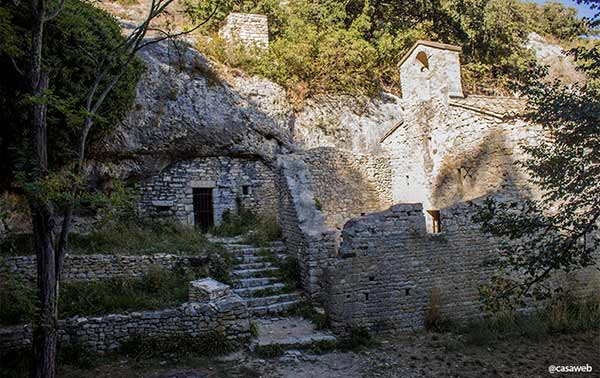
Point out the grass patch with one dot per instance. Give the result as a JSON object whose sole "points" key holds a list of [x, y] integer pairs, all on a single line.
{"points": [[357, 339], [139, 237], [435, 320], [158, 288], [307, 311], [561, 317], [258, 230]]}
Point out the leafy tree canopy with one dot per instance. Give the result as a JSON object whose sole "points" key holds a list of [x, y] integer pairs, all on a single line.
{"points": [[353, 46], [77, 44]]}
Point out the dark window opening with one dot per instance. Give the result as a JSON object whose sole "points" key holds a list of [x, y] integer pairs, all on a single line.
{"points": [[366, 296], [407, 291], [245, 190], [203, 208], [371, 278], [436, 221], [422, 58]]}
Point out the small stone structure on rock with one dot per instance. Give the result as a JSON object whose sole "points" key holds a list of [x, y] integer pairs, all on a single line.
{"points": [[207, 289], [251, 30]]}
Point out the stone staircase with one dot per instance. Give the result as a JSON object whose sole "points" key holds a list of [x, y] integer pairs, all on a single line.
{"points": [[255, 278]]}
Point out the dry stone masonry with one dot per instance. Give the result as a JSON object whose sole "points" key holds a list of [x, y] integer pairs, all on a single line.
{"points": [[388, 266], [101, 267], [225, 313], [171, 193], [250, 30]]}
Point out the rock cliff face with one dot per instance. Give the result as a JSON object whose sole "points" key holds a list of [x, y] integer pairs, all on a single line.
{"points": [[185, 109]]}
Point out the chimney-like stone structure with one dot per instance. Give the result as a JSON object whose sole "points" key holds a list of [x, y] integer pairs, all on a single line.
{"points": [[431, 70], [250, 30]]}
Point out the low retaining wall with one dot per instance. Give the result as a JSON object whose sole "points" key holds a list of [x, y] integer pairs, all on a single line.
{"points": [[388, 266], [100, 267], [227, 315]]}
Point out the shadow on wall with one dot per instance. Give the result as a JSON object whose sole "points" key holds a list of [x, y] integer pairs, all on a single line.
{"points": [[488, 169], [347, 185]]}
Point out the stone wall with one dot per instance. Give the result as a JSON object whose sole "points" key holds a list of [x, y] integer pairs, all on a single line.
{"points": [[100, 267], [306, 235], [248, 29], [348, 184], [170, 194], [443, 155], [227, 315], [388, 266]]}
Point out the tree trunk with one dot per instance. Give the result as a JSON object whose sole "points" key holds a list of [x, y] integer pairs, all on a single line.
{"points": [[45, 333]]}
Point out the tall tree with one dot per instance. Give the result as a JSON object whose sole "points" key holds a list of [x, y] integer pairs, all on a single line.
{"points": [[559, 232], [50, 239]]}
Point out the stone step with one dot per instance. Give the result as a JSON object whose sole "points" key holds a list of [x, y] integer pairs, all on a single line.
{"points": [[262, 272], [273, 299], [255, 252], [288, 333], [248, 292], [252, 258], [274, 309], [254, 265], [252, 282]]}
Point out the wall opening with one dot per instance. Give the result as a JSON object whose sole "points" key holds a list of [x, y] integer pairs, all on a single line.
{"points": [[245, 190], [203, 208], [436, 221], [423, 60]]}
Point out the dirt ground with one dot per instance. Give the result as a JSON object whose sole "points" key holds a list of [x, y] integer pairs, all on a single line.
{"points": [[411, 356]]}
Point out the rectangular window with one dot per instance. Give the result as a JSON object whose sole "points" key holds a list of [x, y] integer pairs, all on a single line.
{"points": [[436, 221], [245, 190]]}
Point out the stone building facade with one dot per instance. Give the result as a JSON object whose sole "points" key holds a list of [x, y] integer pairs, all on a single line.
{"points": [[250, 30], [200, 191]]}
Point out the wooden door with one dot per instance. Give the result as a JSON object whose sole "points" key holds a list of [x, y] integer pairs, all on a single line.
{"points": [[203, 208]]}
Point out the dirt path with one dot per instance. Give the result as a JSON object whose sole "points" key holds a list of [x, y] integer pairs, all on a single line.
{"points": [[413, 356]]}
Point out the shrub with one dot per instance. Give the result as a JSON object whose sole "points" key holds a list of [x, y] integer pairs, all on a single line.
{"points": [[357, 339], [435, 320], [17, 301], [265, 231]]}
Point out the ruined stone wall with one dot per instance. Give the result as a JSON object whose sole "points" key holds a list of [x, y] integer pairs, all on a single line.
{"points": [[348, 184], [442, 155], [306, 235], [248, 29], [388, 266], [227, 315], [101, 267], [170, 194]]}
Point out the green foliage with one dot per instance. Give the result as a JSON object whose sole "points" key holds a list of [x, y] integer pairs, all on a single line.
{"points": [[308, 311], [357, 339], [77, 44], [353, 46], [560, 316], [220, 265], [17, 301], [289, 272], [158, 288], [144, 236], [257, 229]]}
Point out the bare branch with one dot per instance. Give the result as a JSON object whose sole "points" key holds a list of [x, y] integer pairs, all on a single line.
{"points": [[56, 11]]}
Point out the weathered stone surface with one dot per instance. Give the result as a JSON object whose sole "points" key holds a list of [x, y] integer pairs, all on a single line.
{"points": [[100, 267], [227, 314], [250, 30], [207, 289]]}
